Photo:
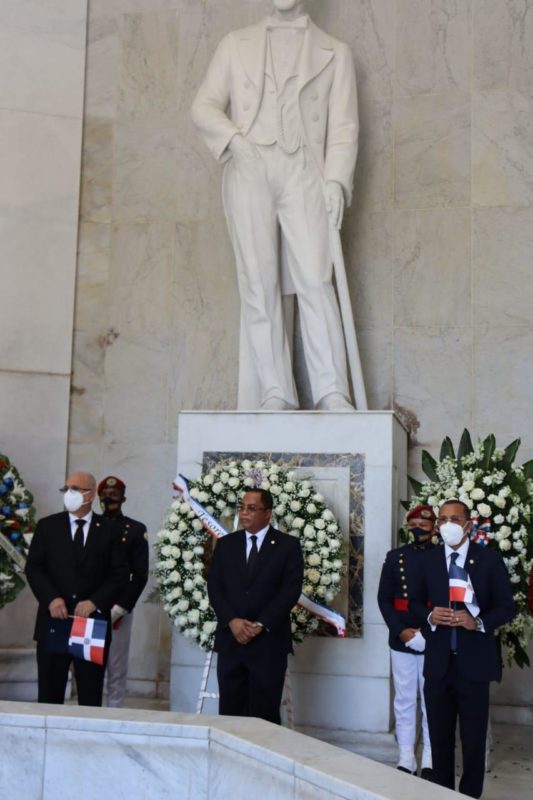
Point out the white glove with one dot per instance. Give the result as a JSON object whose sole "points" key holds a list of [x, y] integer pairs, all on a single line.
{"points": [[116, 613], [417, 643]]}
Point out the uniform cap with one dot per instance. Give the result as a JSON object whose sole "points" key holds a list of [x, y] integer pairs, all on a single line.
{"points": [[111, 483], [425, 512]]}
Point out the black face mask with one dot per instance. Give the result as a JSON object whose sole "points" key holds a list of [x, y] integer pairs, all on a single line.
{"points": [[108, 505], [418, 533]]}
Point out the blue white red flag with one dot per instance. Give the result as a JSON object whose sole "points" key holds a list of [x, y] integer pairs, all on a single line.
{"points": [[87, 639], [461, 589], [480, 531]]}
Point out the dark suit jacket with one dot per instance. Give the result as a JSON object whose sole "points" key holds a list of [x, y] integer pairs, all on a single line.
{"points": [[477, 657], [399, 576], [52, 570], [267, 597], [134, 544]]}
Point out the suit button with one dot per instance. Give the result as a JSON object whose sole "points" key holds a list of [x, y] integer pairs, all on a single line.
{"points": [[73, 596], [315, 117], [246, 106], [314, 96], [247, 84]]}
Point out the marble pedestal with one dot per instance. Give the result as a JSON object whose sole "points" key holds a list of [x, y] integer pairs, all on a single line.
{"points": [[336, 683]]}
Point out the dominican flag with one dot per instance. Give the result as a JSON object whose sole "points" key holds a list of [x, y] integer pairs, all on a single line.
{"points": [[480, 531], [461, 589], [87, 639]]}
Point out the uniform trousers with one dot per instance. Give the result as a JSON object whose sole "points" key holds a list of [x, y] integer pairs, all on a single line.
{"points": [[267, 199], [117, 662], [408, 679]]}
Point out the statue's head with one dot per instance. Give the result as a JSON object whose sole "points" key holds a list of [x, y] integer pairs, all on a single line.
{"points": [[290, 5]]}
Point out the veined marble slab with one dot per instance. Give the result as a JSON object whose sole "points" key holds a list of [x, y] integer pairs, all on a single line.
{"points": [[114, 754]]}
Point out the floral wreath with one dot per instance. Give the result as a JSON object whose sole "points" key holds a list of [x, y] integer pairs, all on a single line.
{"points": [[498, 493], [181, 545], [17, 520]]}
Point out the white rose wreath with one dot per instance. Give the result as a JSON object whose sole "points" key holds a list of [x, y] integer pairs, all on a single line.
{"points": [[181, 545]]}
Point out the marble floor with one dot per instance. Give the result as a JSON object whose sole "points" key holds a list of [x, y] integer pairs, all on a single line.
{"points": [[511, 765]]}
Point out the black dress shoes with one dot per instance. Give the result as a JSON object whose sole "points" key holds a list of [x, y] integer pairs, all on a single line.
{"points": [[404, 769], [426, 773]]}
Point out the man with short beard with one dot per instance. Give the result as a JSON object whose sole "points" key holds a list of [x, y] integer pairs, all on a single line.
{"points": [[461, 655]]}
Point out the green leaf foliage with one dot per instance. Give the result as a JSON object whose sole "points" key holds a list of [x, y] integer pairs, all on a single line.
{"points": [[465, 445], [428, 465]]}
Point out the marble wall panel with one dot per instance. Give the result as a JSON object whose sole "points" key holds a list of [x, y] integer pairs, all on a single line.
{"points": [[503, 33], [502, 286], [369, 247], [367, 28], [376, 353], [432, 272], [22, 776], [97, 170], [148, 77], [38, 206], [92, 294], [502, 392], [433, 46], [103, 51], [136, 400], [87, 388], [432, 150], [149, 766], [374, 174], [42, 56], [34, 410], [142, 276], [502, 149], [432, 380]]}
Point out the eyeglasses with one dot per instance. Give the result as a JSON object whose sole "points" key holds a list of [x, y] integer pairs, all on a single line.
{"points": [[65, 489], [443, 520], [251, 508]]}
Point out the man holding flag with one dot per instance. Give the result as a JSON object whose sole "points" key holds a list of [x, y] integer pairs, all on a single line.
{"points": [[468, 588]]}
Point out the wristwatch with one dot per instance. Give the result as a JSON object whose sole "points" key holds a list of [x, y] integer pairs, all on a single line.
{"points": [[479, 624]]}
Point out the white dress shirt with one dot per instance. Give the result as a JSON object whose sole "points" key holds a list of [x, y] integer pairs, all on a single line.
{"points": [[73, 527], [260, 536]]}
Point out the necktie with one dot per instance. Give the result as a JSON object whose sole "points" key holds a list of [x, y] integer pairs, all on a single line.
{"points": [[453, 638], [78, 538], [252, 557]]}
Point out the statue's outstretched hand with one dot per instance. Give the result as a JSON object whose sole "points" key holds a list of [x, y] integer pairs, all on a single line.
{"points": [[335, 202]]}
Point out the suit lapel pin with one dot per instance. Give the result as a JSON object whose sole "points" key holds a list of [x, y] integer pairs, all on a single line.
{"points": [[471, 561], [97, 524], [272, 541]]}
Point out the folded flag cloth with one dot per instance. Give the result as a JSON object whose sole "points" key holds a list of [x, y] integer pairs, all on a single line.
{"points": [[461, 589], [87, 639]]}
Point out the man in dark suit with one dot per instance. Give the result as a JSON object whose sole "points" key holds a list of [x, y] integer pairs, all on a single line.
{"points": [[133, 539], [461, 656], [75, 567], [254, 581]]}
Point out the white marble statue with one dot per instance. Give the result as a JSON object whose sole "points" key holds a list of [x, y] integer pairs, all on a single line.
{"points": [[279, 106]]}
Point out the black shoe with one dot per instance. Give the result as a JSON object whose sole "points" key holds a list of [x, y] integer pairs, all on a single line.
{"points": [[404, 769], [426, 773]]}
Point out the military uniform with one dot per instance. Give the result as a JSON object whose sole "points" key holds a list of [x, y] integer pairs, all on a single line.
{"points": [[398, 577], [133, 539]]}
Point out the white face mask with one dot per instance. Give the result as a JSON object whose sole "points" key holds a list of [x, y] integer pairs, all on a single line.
{"points": [[452, 533], [73, 500]]}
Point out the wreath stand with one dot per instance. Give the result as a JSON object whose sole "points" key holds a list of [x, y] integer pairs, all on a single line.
{"points": [[203, 694]]}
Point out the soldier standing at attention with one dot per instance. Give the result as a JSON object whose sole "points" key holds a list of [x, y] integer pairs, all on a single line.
{"points": [[405, 640], [133, 538]]}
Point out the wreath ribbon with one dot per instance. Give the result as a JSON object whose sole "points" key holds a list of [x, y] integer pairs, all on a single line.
{"points": [[12, 553], [217, 530]]}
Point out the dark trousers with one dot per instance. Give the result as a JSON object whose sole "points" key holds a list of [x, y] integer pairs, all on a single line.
{"points": [[53, 670], [449, 699], [251, 685]]}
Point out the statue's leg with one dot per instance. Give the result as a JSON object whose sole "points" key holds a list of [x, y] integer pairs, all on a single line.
{"points": [[253, 229], [304, 223]]}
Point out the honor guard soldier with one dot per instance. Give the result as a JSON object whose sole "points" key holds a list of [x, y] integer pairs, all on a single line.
{"points": [[133, 538], [405, 639]]}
